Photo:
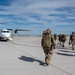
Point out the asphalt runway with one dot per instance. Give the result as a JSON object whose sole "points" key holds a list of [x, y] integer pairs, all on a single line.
{"points": [[24, 56]]}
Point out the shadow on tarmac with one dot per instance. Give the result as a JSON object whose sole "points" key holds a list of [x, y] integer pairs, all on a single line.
{"points": [[65, 54], [3, 40], [60, 47], [70, 51], [30, 59]]}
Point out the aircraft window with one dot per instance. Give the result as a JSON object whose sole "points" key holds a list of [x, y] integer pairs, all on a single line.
{"points": [[5, 31]]}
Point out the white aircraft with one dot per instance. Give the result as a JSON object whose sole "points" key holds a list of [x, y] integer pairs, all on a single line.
{"points": [[5, 35]]}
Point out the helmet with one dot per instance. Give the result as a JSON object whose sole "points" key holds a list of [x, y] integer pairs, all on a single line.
{"points": [[48, 30], [44, 31]]}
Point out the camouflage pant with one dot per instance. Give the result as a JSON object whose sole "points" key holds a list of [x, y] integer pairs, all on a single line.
{"points": [[48, 54], [63, 44], [73, 45]]}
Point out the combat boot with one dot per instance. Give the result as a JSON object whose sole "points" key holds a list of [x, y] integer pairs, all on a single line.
{"points": [[47, 61]]}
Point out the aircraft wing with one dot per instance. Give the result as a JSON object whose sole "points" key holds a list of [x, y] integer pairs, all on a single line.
{"points": [[22, 30], [9, 29], [18, 30]]}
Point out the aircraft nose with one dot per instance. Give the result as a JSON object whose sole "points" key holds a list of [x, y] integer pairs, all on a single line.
{"points": [[6, 35]]}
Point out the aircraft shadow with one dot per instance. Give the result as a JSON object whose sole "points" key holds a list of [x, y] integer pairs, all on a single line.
{"points": [[65, 54], [30, 59], [3, 40]]}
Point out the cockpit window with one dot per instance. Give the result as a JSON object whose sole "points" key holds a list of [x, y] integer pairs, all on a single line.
{"points": [[5, 31]]}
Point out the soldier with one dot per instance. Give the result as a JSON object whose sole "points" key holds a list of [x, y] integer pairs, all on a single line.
{"points": [[60, 35], [48, 44], [55, 37], [62, 39], [72, 40]]}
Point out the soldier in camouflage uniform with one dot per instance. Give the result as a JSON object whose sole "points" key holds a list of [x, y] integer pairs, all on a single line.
{"points": [[55, 37], [48, 44], [60, 36], [62, 39], [72, 40]]}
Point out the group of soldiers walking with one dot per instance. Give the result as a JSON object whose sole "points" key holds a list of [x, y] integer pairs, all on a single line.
{"points": [[48, 43], [63, 38]]}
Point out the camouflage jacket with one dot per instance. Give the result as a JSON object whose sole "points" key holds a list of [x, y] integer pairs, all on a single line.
{"points": [[47, 41]]}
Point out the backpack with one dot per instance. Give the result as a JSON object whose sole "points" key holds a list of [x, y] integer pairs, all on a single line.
{"points": [[64, 37], [46, 41], [73, 37]]}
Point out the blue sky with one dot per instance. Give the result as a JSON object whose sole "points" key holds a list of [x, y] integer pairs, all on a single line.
{"points": [[38, 15]]}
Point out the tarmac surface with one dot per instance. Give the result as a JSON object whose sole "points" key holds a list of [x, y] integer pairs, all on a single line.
{"points": [[24, 56]]}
